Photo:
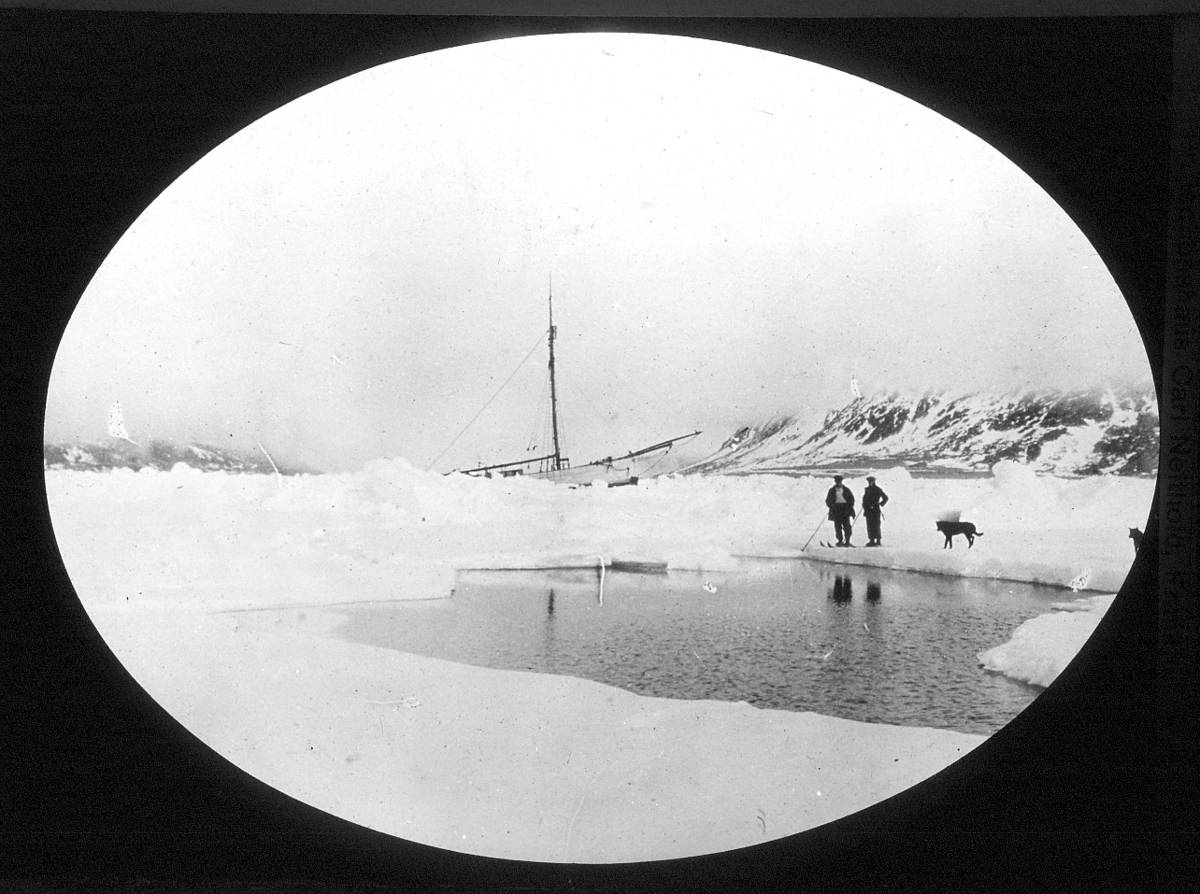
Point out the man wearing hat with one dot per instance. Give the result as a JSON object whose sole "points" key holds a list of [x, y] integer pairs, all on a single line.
{"points": [[841, 509], [874, 499]]}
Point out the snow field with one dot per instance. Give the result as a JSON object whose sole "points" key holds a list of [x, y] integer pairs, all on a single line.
{"points": [[1042, 646], [394, 532], [175, 567]]}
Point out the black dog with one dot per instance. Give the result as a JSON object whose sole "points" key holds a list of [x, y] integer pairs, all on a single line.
{"points": [[1136, 536], [951, 528]]}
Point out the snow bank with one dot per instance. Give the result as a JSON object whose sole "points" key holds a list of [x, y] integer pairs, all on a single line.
{"points": [[1042, 646], [395, 532]]}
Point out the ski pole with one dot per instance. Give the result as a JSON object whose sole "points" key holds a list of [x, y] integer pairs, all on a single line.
{"points": [[813, 534]]}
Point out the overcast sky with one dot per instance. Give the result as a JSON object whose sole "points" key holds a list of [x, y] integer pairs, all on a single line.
{"points": [[731, 234]]}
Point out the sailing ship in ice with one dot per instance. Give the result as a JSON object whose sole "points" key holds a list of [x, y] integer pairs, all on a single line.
{"points": [[614, 471]]}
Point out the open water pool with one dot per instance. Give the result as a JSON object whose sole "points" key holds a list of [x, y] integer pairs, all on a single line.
{"points": [[858, 643]]}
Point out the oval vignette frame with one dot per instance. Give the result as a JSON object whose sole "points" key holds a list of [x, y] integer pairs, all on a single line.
{"points": [[1119, 603]]}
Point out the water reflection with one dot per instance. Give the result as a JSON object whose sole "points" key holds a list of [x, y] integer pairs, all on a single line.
{"points": [[784, 635], [549, 645], [842, 589]]}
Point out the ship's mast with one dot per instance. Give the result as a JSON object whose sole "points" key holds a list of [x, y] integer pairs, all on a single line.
{"points": [[553, 392]]}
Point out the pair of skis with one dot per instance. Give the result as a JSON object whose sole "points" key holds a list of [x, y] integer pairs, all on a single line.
{"points": [[822, 542]]}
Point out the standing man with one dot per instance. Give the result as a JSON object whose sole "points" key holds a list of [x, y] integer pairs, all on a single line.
{"points": [[874, 499], [841, 509]]}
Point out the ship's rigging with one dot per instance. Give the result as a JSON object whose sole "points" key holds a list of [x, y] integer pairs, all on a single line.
{"points": [[625, 468]]}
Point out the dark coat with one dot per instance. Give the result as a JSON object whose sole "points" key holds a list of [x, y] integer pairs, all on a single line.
{"points": [[873, 500], [846, 508]]}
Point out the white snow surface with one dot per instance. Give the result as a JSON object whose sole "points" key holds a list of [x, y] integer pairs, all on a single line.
{"points": [[1042, 646], [178, 570]]}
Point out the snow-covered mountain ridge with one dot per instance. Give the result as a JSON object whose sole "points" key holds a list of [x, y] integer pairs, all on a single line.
{"points": [[1067, 433], [160, 455]]}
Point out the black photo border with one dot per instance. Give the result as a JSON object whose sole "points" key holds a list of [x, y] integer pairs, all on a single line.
{"points": [[1094, 785]]}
